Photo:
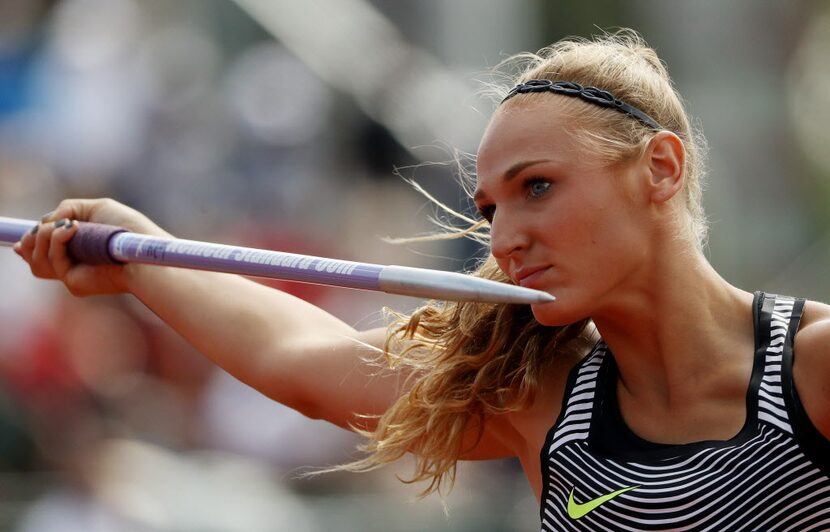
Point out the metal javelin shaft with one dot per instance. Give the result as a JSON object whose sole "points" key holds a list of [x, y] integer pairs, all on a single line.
{"points": [[101, 244]]}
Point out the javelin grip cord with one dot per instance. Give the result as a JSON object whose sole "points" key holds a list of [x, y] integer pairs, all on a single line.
{"points": [[90, 244]]}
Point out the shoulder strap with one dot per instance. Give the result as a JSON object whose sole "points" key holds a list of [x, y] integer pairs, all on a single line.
{"points": [[778, 320], [574, 422]]}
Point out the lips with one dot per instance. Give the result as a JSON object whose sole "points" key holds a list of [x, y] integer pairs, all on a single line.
{"points": [[525, 276]]}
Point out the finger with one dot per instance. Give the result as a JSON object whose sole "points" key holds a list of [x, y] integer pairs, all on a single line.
{"points": [[39, 261], [18, 248], [25, 246], [70, 209], [74, 209], [58, 257], [28, 238]]}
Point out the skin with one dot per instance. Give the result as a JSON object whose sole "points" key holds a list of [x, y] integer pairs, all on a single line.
{"points": [[681, 335], [611, 247]]}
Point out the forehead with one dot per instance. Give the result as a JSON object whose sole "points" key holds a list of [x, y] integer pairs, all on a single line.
{"points": [[533, 128]]}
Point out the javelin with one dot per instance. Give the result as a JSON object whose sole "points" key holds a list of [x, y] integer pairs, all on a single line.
{"points": [[106, 244]]}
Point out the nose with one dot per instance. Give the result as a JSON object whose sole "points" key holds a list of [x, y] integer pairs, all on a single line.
{"points": [[508, 235]]}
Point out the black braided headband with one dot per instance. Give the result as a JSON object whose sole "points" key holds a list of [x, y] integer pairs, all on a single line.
{"points": [[589, 94]]}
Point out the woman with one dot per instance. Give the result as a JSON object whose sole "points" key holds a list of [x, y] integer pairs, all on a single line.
{"points": [[690, 413]]}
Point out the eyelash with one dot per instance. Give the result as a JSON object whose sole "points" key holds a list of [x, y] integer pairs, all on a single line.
{"points": [[487, 211]]}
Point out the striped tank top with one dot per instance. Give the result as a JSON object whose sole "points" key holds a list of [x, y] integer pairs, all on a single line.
{"points": [[774, 475]]}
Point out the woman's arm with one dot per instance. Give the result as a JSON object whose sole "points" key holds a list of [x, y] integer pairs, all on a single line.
{"points": [[288, 349]]}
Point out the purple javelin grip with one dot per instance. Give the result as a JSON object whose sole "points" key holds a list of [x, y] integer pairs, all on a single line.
{"points": [[101, 244]]}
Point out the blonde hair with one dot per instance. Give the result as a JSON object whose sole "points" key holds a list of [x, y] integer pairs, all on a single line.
{"points": [[468, 362], [624, 65]]}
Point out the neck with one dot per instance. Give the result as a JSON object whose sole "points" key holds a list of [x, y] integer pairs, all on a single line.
{"points": [[675, 328]]}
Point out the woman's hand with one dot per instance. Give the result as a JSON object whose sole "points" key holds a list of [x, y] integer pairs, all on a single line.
{"points": [[44, 248]]}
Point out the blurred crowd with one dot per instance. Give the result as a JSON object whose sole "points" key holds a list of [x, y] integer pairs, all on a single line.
{"points": [[194, 114]]}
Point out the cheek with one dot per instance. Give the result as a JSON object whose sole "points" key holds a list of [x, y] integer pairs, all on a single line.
{"points": [[609, 228], [578, 231], [597, 248]]}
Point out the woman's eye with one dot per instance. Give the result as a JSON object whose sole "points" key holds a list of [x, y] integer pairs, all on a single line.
{"points": [[537, 187]]}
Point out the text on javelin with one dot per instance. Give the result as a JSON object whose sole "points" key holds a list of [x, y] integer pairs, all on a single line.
{"points": [[268, 258]]}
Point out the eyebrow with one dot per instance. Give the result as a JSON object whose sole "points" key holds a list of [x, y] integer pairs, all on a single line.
{"points": [[511, 173]]}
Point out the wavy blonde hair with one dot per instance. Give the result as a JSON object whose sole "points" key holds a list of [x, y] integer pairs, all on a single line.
{"points": [[468, 362]]}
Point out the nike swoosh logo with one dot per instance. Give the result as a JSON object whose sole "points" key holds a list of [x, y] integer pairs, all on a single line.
{"points": [[576, 510]]}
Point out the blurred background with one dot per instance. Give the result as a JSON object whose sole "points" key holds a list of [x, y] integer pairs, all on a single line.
{"points": [[278, 123]]}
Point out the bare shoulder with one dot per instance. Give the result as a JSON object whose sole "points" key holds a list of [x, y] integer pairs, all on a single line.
{"points": [[813, 337], [522, 432], [531, 426], [811, 367], [533, 423]]}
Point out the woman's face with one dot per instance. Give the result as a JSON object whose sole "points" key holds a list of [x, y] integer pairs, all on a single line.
{"points": [[560, 221]]}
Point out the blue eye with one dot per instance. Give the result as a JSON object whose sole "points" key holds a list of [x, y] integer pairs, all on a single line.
{"points": [[538, 187]]}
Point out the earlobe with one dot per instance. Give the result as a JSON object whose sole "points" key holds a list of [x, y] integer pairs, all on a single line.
{"points": [[666, 159]]}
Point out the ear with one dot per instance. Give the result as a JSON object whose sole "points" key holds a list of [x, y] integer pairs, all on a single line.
{"points": [[665, 158]]}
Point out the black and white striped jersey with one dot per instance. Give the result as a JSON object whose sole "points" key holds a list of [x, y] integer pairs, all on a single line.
{"points": [[774, 475]]}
